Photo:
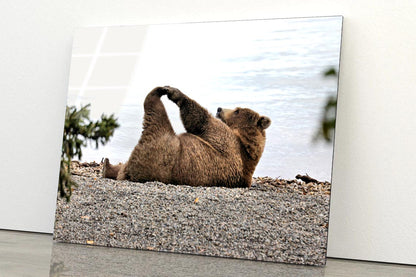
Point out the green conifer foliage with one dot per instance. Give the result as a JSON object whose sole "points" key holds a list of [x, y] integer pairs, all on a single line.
{"points": [[327, 124], [79, 130]]}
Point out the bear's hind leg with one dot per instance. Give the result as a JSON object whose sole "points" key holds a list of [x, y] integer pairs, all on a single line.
{"points": [[156, 121], [110, 171]]}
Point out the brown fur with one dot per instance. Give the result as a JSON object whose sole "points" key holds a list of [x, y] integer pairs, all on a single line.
{"points": [[222, 151]]}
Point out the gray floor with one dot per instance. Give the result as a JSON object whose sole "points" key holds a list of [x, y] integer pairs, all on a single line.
{"points": [[30, 254]]}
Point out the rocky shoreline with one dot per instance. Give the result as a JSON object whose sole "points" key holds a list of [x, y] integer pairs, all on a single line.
{"points": [[274, 220], [94, 169]]}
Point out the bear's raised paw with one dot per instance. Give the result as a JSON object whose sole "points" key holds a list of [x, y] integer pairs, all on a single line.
{"points": [[173, 94]]}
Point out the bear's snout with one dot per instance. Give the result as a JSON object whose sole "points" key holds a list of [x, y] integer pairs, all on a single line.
{"points": [[223, 114], [219, 110]]}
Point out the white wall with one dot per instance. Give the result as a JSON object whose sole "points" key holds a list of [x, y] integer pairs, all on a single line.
{"points": [[372, 206]]}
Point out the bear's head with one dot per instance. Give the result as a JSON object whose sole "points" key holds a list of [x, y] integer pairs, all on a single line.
{"points": [[249, 127]]}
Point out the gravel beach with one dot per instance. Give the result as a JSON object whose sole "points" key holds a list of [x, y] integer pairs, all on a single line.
{"points": [[274, 220]]}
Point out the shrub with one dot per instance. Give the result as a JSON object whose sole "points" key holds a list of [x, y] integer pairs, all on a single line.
{"points": [[79, 130], [327, 124]]}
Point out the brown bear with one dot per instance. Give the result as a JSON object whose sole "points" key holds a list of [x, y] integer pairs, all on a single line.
{"points": [[222, 151]]}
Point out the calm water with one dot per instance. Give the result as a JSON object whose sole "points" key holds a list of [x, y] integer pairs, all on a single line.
{"points": [[273, 67]]}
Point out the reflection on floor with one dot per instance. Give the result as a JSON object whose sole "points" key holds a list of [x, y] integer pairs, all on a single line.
{"points": [[30, 254]]}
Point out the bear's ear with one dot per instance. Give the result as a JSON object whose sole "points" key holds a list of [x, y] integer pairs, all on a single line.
{"points": [[264, 122]]}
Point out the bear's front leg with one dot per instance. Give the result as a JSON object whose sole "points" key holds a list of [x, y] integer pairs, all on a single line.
{"points": [[175, 95], [194, 117]]}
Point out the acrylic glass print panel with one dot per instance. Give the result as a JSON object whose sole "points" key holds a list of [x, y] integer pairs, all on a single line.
{"points": [[251, 184]]}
